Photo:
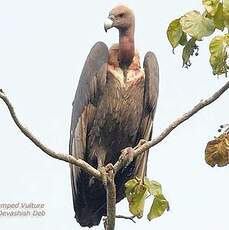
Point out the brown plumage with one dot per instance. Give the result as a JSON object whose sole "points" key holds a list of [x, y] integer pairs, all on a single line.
{"points": [[113, 109]]}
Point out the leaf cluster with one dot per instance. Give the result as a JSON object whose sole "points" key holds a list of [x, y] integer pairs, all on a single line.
{"points": [[137, 190], [193, 26]]}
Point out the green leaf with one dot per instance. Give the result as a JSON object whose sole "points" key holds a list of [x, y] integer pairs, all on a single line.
{"points": [[154, 188], [211, 6], [174, 33], [136, 193], [183, 39], [160, 204], [218, 58], [219, 18], [226, 12], [196, 25], [188, 51], [130, 185]]}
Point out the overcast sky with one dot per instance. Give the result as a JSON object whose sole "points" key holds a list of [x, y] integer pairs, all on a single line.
{"points": [[43, 45]]}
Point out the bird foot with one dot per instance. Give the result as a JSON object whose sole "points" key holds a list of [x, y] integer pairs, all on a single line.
{"points": [[140, 143], [105, 171], [109, 167], [127, 153]]}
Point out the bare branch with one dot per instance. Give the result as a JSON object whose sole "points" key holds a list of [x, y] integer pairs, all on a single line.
{"points": [[111, 200], [203, 103], [60, 156], [126, 217]]}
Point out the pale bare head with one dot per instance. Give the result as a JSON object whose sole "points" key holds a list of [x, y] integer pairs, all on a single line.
{"points": [[120, 17]]}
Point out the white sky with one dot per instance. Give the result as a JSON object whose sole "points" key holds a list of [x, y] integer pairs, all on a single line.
{"points": [[43, 45]]}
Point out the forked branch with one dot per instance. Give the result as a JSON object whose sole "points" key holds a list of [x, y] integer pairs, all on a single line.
{"points": [[111, 194]]}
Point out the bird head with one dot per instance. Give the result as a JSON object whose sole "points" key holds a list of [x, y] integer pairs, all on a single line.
{"points": [[120, 17]]}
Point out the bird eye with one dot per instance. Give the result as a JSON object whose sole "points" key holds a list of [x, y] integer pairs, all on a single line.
{"points": [[121, 15]]}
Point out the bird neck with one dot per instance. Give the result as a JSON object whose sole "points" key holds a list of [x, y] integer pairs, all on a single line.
{"points": [[126, 47]]}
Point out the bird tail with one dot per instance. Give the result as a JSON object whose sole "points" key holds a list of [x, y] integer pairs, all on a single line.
{"points": [[88, 217], [89, 201]]}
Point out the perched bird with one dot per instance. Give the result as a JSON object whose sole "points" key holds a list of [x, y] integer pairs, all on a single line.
{"points": [[113, 109]]}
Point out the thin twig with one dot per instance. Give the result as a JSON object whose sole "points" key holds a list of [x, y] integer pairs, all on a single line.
{"points": [[60, 156], [126, 217], [203, 103]]}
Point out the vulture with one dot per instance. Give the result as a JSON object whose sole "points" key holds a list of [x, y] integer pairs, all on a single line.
{"points": [[113, 109]]}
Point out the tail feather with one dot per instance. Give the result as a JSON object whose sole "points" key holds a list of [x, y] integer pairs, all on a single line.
{"points": [[89, 218], [90, 200]]}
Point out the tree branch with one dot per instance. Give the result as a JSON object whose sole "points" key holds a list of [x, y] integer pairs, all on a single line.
{"points": [[111, 200], [203, 103], [126, 217], [111, 189], [60, 156]]}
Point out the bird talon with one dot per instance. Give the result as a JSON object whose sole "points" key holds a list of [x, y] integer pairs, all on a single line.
{"points": [[109, 167], [127, 153], [140, 143], [105, 170]]}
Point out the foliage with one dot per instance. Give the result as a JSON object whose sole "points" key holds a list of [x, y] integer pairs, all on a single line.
{"points": [[218, 52], [226, 12], [196, 26], [211, 6], [189, 49], [175, 33], [160, 204], [138, 190], [217, 151]]}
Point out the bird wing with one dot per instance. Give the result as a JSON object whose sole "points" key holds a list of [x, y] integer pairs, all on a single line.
{"points": [[92, 81], [151, 90]]}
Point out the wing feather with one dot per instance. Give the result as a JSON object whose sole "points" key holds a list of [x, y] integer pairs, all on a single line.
{"points": [[90, 86], [150, 103]]}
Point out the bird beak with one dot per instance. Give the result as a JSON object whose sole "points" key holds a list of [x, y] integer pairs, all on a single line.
{"points": [[108, 23]]}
